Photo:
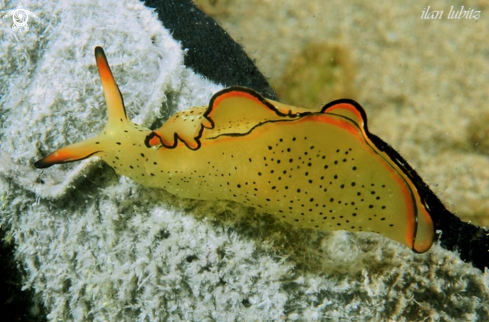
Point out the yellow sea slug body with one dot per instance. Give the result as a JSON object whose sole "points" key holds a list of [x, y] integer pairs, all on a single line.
{"points": [[313, 169]]}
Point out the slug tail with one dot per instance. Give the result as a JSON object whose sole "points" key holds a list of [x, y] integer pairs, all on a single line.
{"points": [[425, 233]]}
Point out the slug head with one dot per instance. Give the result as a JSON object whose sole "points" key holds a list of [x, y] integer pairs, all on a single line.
{"points": [[121, 143]]}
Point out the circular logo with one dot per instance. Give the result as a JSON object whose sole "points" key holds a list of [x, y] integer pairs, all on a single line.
{"points": [[20, 19], [20, 16]]}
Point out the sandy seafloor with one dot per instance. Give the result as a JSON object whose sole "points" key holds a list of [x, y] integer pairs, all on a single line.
{"points": [[423, 83]]}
